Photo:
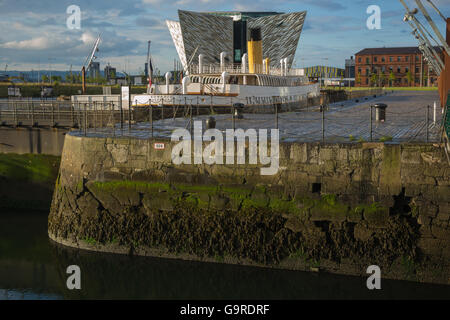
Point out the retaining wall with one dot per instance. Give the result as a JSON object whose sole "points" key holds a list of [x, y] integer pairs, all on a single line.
{"points": [[332, 207]]}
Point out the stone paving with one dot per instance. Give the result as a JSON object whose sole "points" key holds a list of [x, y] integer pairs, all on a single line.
{"points": [[347, 121]]}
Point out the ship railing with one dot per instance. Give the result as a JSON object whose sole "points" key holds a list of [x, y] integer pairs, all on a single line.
{"points": [[238, 69]]}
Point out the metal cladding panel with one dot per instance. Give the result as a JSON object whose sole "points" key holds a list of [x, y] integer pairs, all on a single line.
{"points": [[280, 35], [210, 33], [175, 32]]}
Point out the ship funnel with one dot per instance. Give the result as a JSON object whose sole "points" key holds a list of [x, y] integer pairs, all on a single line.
{"points": [[244, 63], [185, 83], [222, 60], [285, 60], [168, 75], [200, 63], [254, 48], [224, 80]]}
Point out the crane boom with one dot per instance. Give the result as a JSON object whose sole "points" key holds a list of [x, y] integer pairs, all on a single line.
{"points": [[433, 26]]}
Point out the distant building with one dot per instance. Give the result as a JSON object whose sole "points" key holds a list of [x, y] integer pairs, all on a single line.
{"points": [[110, 72], [349, 68], [397, 67], [325, 75], [94, 70]]}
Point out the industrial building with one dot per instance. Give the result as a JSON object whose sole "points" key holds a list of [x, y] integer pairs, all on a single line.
{"points": [[212, 33]]}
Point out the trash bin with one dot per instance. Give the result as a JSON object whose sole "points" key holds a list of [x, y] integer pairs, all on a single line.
{"points": [[238, 110], [380, 112], [210, 123]]}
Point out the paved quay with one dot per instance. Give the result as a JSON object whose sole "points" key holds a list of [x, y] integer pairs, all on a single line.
{"points": [[347, 121]]}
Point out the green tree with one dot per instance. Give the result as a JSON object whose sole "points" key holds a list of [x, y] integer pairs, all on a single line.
{"points": [[382, 79], [373, 79], [409, 77], [391, 78], [358, 79], [45, 78]]}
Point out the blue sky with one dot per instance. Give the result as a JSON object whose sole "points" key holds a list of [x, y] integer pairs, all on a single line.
{"points": [[34, 33]]}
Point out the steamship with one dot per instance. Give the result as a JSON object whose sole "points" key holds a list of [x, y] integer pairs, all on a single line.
{"points": [[233, 58]]}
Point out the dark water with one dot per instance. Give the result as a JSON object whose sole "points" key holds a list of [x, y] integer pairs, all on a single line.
{"points": [[33, 267]]}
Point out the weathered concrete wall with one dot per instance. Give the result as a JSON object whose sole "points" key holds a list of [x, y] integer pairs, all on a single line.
{"points": [[339, 208], [32, 141]]}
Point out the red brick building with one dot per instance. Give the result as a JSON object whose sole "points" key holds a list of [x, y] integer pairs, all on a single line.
{"points": [[397, 67]]}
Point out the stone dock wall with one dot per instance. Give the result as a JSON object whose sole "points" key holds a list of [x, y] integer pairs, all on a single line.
{"points": [[331, 207]]}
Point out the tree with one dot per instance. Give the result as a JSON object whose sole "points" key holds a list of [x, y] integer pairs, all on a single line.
{"points": [[382, 79], [373, 79], [391, 78], [45, 78], [358, 79], [409, 77]]}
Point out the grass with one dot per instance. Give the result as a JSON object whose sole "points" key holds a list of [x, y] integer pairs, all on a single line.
{"points": [[29, 167], [385, 138]]}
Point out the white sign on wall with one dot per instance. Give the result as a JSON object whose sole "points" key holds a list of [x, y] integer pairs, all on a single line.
{"points": [[125, 97]]}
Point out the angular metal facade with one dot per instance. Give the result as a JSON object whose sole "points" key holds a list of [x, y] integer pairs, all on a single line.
{"points": [[280, 34], [175, 32], [212, 34]]}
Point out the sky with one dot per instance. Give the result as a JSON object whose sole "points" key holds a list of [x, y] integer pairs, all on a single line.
{"points": [[34, 34]]}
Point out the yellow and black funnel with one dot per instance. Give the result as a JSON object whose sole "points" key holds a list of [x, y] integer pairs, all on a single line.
{"points": [[254, 49]]}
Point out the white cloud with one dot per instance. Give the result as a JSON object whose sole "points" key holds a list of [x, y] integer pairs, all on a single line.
{"points": [[39, 43]]}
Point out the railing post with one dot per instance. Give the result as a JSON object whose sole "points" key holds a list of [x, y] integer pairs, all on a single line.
{"points": [[16, 121], [32, 113], [53, 114], [191, 126], [151, 116], [370, 122], [276, 114], [426, 123], [85, 119], [233, 120], [323, 123]]}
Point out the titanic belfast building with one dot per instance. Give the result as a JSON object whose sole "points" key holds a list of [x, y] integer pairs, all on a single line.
{"points": [[211, 33]]}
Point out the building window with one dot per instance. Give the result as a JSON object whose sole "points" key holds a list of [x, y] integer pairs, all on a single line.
{"points": [[417, 70], [399, 69], [406, 70], [417, 58], [359, 59], [367, 80], [383, 69], [375, 59], [406, 58], [383, 59], [359, 71], [367, 72], [391, 59], [390, 69], [367, 60], [399, 59]]}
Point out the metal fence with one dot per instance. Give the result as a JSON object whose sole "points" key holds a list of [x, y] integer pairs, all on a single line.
{"points": [[297, 119]]}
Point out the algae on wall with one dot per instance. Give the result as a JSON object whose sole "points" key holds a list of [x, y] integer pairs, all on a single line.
{"points": [[27, 180]]}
